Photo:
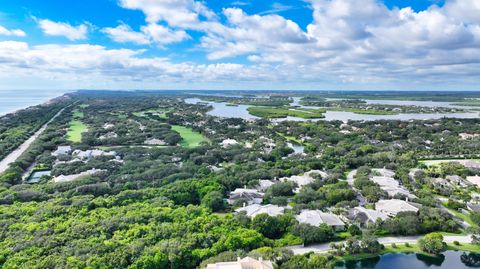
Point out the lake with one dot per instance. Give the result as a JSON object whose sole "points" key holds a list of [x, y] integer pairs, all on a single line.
{"points": [[13, 100], [223, 110], [447, 260]]}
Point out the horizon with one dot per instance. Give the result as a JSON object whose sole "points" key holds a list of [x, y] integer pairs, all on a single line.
{"points": [[297, 45]]}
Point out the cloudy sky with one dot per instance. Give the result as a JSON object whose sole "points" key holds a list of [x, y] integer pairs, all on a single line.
{"points": [[240, 44]]}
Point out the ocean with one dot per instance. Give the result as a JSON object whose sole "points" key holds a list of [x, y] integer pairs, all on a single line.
{"points": [[13, 100]]}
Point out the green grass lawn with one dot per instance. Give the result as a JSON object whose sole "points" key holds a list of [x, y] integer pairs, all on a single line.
{"points": [[464, 217], [190, 138], [283, 112], [75, 131]]}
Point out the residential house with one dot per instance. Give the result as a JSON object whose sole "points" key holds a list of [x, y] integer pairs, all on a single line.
{"points": [[441, 183], [365, 216], [228, 142], [245, 263], [68, 178], [264, 184], [317, 217], [89, 154], [391, 186], [304, 179], [474, 165], [458, 181], [250, 196], [474, 180], [473, 207], [62, 151], [255, 209], [394, 206]]}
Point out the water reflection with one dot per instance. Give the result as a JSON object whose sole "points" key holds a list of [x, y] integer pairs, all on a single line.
{"points": [[447, 260]]}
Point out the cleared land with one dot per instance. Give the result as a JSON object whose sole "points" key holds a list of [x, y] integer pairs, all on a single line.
{"points": [[283, 112], [190, 138]]}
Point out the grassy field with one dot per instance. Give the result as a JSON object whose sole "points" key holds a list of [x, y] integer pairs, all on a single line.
{"points": [[283, 112], [75, 131], [190, 138]]}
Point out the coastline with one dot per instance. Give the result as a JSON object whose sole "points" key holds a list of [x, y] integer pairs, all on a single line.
{"points": [[12, 101]]}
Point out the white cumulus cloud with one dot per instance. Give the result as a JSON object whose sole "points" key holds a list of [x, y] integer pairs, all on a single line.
{"points": [[12, 32], [63, 29]]}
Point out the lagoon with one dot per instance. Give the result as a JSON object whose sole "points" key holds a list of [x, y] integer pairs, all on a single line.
{"points": [[224, 110]]}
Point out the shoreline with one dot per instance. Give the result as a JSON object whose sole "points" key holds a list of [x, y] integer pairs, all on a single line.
{"points": [[403, 249], [29, 102]]}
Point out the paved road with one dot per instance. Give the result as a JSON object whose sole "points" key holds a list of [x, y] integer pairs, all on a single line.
{"points": [[14, 155], [465, 239]]}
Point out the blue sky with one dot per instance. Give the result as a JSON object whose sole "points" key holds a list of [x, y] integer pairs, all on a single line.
{"points": [[240, 44]]}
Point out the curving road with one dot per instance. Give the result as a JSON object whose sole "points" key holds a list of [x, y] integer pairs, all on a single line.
{"points": [[299, 250], [14, 155]]}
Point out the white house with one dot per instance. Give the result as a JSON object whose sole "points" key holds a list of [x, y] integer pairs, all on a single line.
{"points": [[245, 263], [229, 142], [88, 154], [62, 151], [474, 180], [317, 217], [366, 216], [390, 185], [63, 178], [264, 184], [394, 206], [304, 179], [255, 209]]}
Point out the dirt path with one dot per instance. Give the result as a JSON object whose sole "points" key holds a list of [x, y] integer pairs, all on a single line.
{"points": [[14, 155]]}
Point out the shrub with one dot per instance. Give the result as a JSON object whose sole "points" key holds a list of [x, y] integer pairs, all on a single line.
{"points": [[432, 243]]}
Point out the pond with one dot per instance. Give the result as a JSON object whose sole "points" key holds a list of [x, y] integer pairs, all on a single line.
{"points": [[297, 148], [447, 260], [35, 176], [240, 111]]}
